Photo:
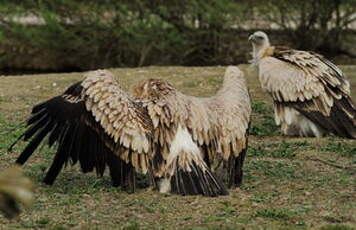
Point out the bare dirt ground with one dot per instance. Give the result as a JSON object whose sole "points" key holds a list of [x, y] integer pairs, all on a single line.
{"points": [[290, 183]]}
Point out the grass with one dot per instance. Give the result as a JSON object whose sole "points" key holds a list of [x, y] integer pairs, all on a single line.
{"points": [[289, 183], [278, 214], [262, 121], [281, 149], [345, 149]]}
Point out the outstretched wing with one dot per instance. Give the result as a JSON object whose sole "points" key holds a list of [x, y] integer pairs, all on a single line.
{"points": [[124, 121], [233, 110], [93, 121], [313, 86]]}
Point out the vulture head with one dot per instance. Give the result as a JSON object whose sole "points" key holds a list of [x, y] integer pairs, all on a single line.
{"points": [[260, 42], [259, 38]]}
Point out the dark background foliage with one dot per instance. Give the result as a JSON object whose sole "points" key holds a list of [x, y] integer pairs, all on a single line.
{"points": [[68, 35]]}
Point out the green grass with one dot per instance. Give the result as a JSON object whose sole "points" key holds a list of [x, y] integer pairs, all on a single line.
{"points": [[345, 149], [277, 150], [289, 183], [263, 122], [260, 107], [336, 227], [264, 127], [277, 214]]}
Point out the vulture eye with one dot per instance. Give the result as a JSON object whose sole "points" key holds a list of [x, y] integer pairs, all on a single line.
{"points": [[259, 37]]}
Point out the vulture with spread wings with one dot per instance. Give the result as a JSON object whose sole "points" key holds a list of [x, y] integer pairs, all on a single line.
{"points": [[311, 95], [172, 137]]}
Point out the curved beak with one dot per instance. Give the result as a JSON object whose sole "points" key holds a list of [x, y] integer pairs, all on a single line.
{"points": [[251, 38]]}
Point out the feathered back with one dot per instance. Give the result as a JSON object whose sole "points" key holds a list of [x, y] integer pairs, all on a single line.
{"points": [[218, 124], [233, 106], [307, 83]]}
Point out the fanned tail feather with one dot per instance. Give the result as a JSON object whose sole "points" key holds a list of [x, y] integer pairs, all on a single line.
{"points": [[198, 180], [186, 173]]}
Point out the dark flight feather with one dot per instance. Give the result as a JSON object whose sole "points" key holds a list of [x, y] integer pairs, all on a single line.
{"points": [[197, 181], [65, 123]]}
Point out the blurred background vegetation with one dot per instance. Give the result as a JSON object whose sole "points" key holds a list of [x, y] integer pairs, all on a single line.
{"points": [[75, 35]]}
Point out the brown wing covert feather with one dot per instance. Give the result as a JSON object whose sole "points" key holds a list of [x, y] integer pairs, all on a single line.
{"points": [[94, 123], [124, 120]]}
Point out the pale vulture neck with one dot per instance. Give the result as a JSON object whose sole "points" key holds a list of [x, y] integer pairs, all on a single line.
{"points": [[232, 81], [258, 51]]}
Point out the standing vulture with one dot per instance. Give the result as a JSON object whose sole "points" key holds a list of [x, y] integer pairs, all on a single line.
{"points": [[311, 95], [15, 189], [158, 131]]}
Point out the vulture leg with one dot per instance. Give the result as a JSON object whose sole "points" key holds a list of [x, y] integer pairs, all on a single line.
{"points": [[235, 172], [131, 179], [115, 166], [206, 156], [122, 174], [235, 166], [295, 124]]}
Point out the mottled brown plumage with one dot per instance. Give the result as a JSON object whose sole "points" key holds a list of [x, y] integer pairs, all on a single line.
{"points": [[217, 124], [311, 95], [158, 130], [125, 122]]}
